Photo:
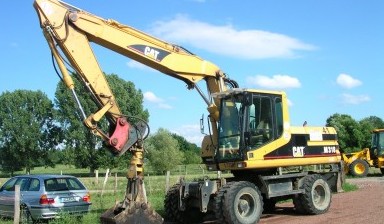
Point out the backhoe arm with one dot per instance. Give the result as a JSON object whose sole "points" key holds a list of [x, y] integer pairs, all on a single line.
{"points": [[70, 30]]}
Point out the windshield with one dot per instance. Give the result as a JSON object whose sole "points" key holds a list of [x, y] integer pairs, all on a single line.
{"points": [[229, 128], [378, 143]]}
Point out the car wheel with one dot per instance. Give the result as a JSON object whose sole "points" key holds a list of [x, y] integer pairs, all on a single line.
{"points": [[25, 215]]}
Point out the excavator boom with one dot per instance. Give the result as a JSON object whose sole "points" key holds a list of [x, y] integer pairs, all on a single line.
{"points": [[69, 31]]}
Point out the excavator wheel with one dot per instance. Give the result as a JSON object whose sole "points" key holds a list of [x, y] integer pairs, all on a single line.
{"points": [[317, 196], [359, 168], [171, 205], [239, 203], [172, 212], [269, 205]]}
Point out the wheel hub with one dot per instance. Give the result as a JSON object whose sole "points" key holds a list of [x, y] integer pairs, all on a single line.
{"points": [[318, 195], [243, 207], [359, 168]]}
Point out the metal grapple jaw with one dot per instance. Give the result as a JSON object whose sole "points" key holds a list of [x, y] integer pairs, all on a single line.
{"points": [[134, 208]]}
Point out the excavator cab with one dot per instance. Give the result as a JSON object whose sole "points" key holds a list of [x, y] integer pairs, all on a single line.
{"points": [[248, 121]]}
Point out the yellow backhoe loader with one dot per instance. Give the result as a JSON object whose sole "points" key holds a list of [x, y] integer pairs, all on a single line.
{"points": [[358, 163], [250, 131]]}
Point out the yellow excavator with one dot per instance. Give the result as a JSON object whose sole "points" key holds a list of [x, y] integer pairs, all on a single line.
{"points": [[250, 133]]}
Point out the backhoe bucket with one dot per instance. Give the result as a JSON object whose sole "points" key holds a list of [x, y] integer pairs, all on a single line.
{"points": [[137, 214]]}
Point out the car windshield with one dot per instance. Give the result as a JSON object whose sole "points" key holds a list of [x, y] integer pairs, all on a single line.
{"points": [[63, 184]]}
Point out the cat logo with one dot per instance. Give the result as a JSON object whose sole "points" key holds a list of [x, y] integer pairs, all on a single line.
{"points": [[153, 53], [150, 52], [298, 151]]}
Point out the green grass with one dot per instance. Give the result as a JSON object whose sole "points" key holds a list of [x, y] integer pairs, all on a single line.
{"points": [[347, 187]]}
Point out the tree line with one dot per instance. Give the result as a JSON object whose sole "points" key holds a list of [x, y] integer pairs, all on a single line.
{"points": [[35, 131], [354, 135]]}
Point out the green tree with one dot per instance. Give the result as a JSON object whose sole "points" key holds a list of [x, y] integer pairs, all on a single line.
{"points": [[163, 151], [191, 151], [348, 130], [83, 149], [28, 130], [366, 126]]}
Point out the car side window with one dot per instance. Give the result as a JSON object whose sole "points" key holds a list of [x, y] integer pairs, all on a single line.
{"points": [[34, 185], [9, 185], [74, 184], [23, 182]]}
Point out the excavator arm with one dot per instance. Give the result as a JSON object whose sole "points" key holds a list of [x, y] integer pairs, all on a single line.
{"points": [[69, 31]]}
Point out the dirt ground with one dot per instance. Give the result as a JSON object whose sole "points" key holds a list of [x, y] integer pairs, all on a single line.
{"points": [[364, 206]]}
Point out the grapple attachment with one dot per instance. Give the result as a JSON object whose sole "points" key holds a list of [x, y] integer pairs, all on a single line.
{"points": [[134, 209], [137, 213]]}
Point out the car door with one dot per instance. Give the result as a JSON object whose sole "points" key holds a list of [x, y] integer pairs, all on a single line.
{"points": [[7, 195], [6, 192], [30, 194]]}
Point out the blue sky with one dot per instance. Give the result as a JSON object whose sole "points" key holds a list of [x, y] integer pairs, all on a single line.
{"points": [[327, 55]]}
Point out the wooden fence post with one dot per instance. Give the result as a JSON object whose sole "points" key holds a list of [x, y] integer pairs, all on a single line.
{"points": [[167, 181], [97, 176], [115, 190], [16, 217], [149, 184], [202, 168], [105, 181]]}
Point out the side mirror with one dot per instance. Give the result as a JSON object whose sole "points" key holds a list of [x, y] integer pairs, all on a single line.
{"points": [[202, 124]]}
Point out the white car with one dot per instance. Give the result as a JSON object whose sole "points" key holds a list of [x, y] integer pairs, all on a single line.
{"points": [[44, 197]]}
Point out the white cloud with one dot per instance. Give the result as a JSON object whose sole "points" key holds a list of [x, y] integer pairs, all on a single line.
{"points": [[159, 102], [274, 82], [354, 99], [227, 40], [191, 133], [151, 97], [347, 81]]}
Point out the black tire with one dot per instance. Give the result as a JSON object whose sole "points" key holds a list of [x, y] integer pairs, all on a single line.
{"points": [[241, 202], [219, 203], [299, 207], [25, 215], [359, 168], [172, 212], [269, 205], [317, 197], [171, 205], [382, 171]]}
